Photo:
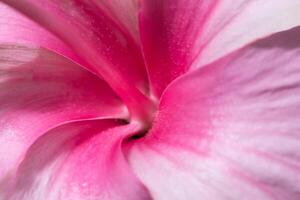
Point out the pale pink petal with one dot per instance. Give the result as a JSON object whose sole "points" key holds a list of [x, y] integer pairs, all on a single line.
{"points": [[76, 161], [39, 90], [229, 130], [234, 24], [109, 49], [18, 29], [176, 34]]}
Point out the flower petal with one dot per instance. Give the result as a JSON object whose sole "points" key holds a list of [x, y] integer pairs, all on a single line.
{"points": [[233, 25], [124, 13], [18, 29], [176, 34], [229, 130], [108, 48], [39, 90], [80, 160]]}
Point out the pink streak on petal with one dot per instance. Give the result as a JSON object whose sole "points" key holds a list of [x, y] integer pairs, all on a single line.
{"points": [[39, 90], [167, 37], [229, 130], [178, 35], [81, 160]]}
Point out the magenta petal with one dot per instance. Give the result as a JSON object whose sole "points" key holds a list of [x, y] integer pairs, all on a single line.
{"points": [[229, 130], [39, 90], [167, 34], [106, 45], [178, 34], [124, 13], [81, 160]]}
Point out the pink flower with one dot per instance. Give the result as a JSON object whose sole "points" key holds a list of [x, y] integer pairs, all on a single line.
{"points": [[149, 99]]}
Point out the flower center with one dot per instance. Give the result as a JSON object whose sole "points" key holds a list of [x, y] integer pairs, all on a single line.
{"points": [[143, 114]]}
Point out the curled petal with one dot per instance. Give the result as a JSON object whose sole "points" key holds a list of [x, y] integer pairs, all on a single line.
{"points": [[79, 160], [38, 91], [229, 130]]}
